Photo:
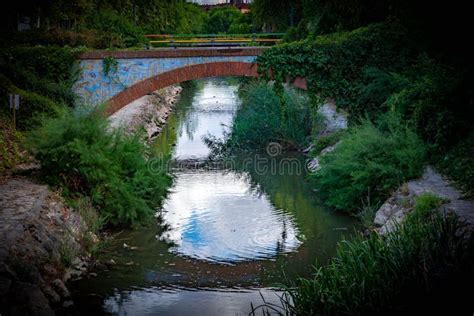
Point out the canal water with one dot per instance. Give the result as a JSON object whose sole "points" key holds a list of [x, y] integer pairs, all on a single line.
{"points": [[229, 235]]}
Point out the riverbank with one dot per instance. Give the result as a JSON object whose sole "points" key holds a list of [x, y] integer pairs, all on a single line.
{"points": [[226, 232], [44, 241], [403, 200], [147, 114], [41, 248]]}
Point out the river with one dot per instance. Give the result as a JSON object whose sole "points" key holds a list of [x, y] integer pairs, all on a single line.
{"points": [[228, 234]]}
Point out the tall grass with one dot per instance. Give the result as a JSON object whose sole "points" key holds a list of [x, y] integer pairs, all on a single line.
{"points": [[370, 161], [78, 153], [377, 274], [458, 164], [264, 118]]}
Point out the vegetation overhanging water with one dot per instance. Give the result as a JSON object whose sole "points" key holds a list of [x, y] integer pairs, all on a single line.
{"points": [[227, 234]]}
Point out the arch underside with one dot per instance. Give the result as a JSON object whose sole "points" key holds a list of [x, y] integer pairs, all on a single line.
{"points": [[144, 87]]}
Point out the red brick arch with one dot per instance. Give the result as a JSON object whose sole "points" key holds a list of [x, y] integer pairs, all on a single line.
{"points": [[214, 69]]}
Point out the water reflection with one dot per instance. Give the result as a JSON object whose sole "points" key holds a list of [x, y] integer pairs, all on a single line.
{"points": [[216, 215], [212, 111], [233, 229], [159, 301]]}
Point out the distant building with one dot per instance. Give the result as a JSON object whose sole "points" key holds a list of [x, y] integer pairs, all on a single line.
{"points": [[242, 5], [216, 2]]}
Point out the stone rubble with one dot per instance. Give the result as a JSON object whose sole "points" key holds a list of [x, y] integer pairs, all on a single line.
{"points": [[36, 229], [149, 112], [334, 120], [402, 201]]}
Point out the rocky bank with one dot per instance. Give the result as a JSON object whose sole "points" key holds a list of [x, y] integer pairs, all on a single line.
{"points": [[40, 248], [42, 239], [148, 113], [402, 201], [333, 121]]}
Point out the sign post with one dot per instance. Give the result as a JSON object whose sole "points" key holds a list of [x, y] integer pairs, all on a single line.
{"points": [[14, 105]]}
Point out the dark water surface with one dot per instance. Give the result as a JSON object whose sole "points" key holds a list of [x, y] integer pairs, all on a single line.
{"points": [[230, 234]]}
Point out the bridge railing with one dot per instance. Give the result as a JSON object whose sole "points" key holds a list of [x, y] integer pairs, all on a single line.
{"points": [[174, 40]]}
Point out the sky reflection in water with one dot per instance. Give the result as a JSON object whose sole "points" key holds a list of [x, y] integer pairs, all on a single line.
{"points": [[217, 216]]}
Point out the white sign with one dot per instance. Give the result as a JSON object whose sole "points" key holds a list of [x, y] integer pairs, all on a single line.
{"points": [[14, 101]]}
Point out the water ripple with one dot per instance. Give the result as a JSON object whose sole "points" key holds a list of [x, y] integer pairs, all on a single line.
{"points": [[216, 216]]}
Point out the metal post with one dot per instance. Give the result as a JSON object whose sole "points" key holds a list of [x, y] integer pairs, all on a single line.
{"points": [[14, 105]]}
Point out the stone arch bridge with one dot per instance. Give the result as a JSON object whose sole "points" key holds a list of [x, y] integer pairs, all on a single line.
{"points": [[133, 74]]}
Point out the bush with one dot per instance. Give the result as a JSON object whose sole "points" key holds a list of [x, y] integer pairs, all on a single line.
{"points": [[114, 30], [220, 20], [10, 145], [325, 141], [399, 271], [42, 76], [54, 64], [427, 202], [369, 162], [32, 105], [334, 64], [378, 68], [458, 164], [263, 118], [79, 154]]}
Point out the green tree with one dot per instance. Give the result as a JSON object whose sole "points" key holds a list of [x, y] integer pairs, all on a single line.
{"points": [[220, 19]]}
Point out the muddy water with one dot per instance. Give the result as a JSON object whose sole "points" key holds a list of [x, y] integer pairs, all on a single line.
{"points": [[228, 234]]}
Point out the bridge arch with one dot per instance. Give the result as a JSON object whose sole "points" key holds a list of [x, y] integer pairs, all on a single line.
{"points": [[190, 72]]}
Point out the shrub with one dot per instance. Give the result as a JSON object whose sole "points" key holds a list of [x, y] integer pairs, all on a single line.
{"points": [[377, 274], [114, 30], [263, 118], [220, 19], [32, 105], [50, 63], [434, 104], [10, 145], [325, 141], [458, 164], [78, 153], [377, 68], [42, 76], [427, 202], [369, 162]]}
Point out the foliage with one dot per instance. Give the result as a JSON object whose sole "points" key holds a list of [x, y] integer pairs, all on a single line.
{"points": [[243, 24], [114, 30], [278, 15], [67, 252], [324, 141], [436, 102], [32, 105], [118, 24], [458, 164], [264, 118], [193, 19], [377, 274], [78, 153], [110, 66], [427, 202], [43, 76], [378, 68], [220, 19], [370, 161], [334, 65], [10, 145]]}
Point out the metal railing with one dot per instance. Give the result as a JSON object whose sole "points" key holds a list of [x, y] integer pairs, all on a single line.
{"points": [[214, 39]]}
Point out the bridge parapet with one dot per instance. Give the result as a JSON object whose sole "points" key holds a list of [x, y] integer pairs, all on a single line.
{"points": [[127, 68]]}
